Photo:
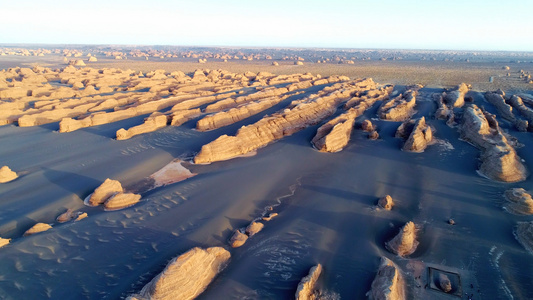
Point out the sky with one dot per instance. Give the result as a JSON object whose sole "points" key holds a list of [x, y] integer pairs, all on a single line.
{"points": [[389, 24]]}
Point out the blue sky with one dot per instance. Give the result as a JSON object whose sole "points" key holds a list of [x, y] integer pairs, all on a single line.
{"points": [[407, 24]]}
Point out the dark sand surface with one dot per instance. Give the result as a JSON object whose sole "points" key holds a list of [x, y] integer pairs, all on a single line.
{"points": [[326, 205]]}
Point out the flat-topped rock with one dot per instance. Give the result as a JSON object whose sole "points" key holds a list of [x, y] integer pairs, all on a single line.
{"points": [[105, 191], [121, 200]]}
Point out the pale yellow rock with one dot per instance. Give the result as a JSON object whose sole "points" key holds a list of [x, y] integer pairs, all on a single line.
{"points": [[238, 239], [388, 283], [186, 276], [4, 242], [386, 202], [254, 228], [93, 59], [270, 217], [106, 190], [519, 202], [367, 126], [81, 216], [419, 137], [307, 289], [404, 243], [121, 200], [6, 175], [39, 227]]}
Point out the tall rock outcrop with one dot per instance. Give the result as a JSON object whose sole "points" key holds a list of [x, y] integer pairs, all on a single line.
{"points": [[499, 160], [388, 283], [307, 289], [186, 276], [405, 242], [417, 134]]}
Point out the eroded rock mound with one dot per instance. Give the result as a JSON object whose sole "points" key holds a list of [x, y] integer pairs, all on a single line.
{"points": [[456, 97], [519, 201], [121, 200], [67, 216], [4, 242], [388, 283], [152, 123], [506, 111], [404, 243], [39, 227], [418, 134], [499, 160], [254, 228], [105, 191], [386, 202], [186, 276], [524, 234], [307, 289], [6, 175], [399, 108], [238, 239]]}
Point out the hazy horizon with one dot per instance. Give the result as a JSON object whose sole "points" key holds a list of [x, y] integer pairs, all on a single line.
{"points": [[440, 25]]}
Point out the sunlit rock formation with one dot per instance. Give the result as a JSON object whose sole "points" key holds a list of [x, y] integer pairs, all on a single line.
{"points": [[307, 289], [386, 202], [519, 201], [39, 227], [499, 160], [417, 134], [388, 283], [186, 276], [105, 191], [121, 200], [405, 242], [6, 175]]}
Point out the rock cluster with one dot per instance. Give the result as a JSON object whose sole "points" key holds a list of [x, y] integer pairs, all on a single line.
{"points": [[6, 175], [388, 283], [307, 289], [399, 108], [506, 111], [240, 236], [417, 133], [499, 160], [519, 202], [186, 276], [404, 243], [111, 194]]}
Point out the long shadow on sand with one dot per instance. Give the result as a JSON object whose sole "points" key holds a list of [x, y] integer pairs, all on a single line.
{"points": [[74, 183]]}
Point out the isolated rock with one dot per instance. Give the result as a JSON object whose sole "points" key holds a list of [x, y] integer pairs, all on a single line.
{"points": [[388, 283], [337, 138], [445, 284], [66, 216], [39, 227], [386, 202], [81, 216], [519, 202], [420, 135], [105, 191], [6, 175], [186, 276], [4, 242], [270, 217], [254, 228], [499, 160], [367, 126], [93, 59], [404, 243], [374, 135], [238, 239], [121, 200], [307, 289]]}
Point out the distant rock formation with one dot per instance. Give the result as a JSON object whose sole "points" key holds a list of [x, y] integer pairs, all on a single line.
{"points": [[186, 276], [238, 239], [39, 227], [93, 59], [298, 116], [524, 234], [307, 289], [418, 135], [505, 110], [519, 202], [6, 175], [121, 200], [105, 191], [388, 283], [499, 160], [4, 242], [404, 243], [399, 108], [152, 123], [386, 202]]}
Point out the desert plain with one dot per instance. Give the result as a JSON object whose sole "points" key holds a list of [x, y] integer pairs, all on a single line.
{"points": [[229, 173]]}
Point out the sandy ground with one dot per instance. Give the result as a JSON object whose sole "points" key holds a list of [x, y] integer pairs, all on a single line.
{"points": [[326, 203]]}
